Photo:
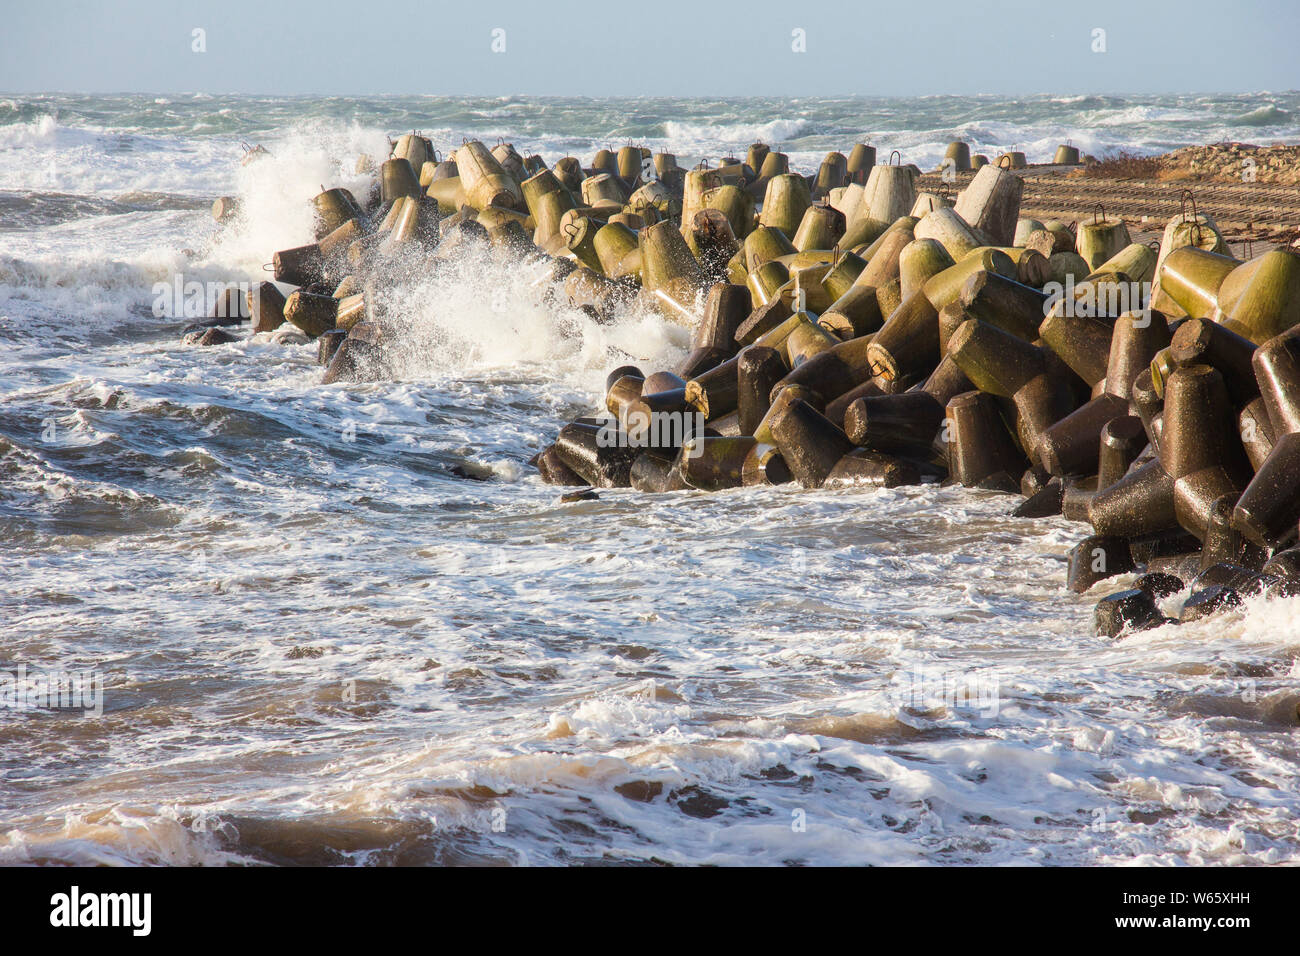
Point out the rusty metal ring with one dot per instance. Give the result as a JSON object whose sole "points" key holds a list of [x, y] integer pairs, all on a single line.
{"points": [[1184, 198]]}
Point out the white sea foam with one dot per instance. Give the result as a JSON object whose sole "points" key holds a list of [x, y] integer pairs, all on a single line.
{"points": [[704, 137]]}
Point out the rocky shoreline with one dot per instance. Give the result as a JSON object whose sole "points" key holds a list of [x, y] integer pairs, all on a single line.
{"points": [[1231, 163]]}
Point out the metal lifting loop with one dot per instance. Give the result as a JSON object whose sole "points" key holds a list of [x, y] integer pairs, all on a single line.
{"points": [[1007, 157], [1095, 221], [1184, 198], [892, 155]]}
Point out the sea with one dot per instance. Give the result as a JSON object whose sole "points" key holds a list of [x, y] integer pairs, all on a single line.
{"points": [[348, 624]]}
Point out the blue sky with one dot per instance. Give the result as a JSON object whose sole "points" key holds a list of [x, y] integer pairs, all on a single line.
{"points": [[555, 47]]}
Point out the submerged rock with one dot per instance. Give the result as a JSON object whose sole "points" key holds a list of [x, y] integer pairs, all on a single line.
{"points": [[210, 336]]}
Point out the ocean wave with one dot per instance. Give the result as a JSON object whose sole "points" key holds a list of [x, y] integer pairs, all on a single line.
{"points": [[28, 132], [1081, 100], [1140, 115], [691, 136], [1270, 115]]}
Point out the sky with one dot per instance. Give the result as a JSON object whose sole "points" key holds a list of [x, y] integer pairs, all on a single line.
{"points": [[649, 47]]}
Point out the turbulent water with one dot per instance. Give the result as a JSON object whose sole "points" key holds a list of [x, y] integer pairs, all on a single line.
{"points": [[320, 641]]}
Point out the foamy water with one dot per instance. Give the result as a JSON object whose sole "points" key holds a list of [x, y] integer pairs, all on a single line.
{"points": [[321, 642]]}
